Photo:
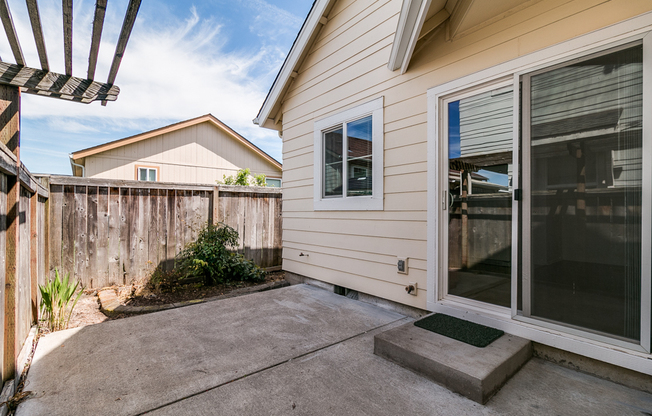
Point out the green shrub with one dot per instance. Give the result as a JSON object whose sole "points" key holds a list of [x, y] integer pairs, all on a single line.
{"points": [[244, 178], [56, 296], [259, 180], [210, 259], [241, 178]]}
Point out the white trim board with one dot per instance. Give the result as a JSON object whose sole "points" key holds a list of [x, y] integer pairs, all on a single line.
{"points": [[312, 24], [618, 34], [410, 22]]}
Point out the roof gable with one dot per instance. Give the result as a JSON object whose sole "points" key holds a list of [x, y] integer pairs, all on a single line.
{"points": [[80, 154]]}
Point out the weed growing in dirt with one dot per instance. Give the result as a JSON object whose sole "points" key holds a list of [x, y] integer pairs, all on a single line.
{"points": [[163, 280], [56, 298]]}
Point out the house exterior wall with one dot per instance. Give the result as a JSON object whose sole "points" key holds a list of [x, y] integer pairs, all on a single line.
{"points": [[200, 154], [347, 66]]}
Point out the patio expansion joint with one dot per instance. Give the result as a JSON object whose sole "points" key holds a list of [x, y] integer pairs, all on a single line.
{"points": [[272, 366]]}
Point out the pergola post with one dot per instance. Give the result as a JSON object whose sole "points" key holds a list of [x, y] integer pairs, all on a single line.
{"points": [[10, 137]]}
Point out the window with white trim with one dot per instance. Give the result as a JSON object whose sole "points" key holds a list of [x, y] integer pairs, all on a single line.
{"points": [[148, 174], [273, 182], [348, 162]]}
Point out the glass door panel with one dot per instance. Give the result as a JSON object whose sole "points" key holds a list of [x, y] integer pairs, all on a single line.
{"points": [[480, 143], [585, 156]]}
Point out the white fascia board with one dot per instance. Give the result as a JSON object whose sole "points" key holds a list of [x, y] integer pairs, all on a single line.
{"points": [[311, 25], [410, 21]]}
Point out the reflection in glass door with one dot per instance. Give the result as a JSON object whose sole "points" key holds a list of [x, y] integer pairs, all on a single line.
{"points": [[583, 135], [480, 142]]}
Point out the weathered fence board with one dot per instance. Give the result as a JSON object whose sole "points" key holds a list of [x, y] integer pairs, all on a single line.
{"points": [[104, 234], [101, 232], [260, 233], [24, 319], [42, 245], [55, 236], [3, 249], [68, 232], [114, 221]]}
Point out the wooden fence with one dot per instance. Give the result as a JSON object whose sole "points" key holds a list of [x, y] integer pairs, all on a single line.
{"points": [[106, 232], [23, 244]]}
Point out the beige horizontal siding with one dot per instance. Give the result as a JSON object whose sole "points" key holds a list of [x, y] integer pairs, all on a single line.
{"points": [[394, 291], [379, 245], [202, 153], [347, 66]]}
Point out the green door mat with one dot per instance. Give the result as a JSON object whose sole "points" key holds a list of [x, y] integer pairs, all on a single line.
{"points": [[459, 329]]}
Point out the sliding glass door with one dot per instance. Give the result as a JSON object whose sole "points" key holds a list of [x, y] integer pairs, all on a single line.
{"points": [[543, 207], [582, 139], [479, 192]]}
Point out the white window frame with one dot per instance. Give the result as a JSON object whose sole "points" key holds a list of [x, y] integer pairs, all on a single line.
{"points": [[280, 181], [373, 202], [147, 169], [636, 29]]}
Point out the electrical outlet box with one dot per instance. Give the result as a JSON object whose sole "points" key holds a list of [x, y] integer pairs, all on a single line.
{"points": [[402, 265]]}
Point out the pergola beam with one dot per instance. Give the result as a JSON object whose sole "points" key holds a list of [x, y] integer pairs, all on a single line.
{"points": [[66, 6], [10, 30], [127, 26], [67, 87], [35, 20], [98, 23], [39, 82]]}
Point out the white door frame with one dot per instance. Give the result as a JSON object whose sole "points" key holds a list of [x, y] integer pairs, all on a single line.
{"points": [[556, 336]]}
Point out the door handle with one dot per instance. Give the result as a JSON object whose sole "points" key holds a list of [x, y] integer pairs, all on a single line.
{"points": [[447, 200]]}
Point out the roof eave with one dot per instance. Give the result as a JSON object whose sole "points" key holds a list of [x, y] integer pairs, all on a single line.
{"points": [[315, 20], [408, 30]]}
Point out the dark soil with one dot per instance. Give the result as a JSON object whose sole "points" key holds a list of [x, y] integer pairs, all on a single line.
{"points": [[87, 311], [141, 296]]}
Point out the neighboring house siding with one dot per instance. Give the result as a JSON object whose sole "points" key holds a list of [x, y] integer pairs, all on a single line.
{"points": [[197, 154], [347, 66]]}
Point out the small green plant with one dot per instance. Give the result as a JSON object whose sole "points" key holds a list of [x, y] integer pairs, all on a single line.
{"points": [[244, 178], [211, 258], [259, 180], [56, 298]]}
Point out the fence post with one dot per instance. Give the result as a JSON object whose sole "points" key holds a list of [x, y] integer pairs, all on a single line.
{"points": [[216, 205], [11, 274], [10, 137]]}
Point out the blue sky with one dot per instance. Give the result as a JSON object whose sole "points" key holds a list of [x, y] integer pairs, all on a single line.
{"points": [[183, 60]]}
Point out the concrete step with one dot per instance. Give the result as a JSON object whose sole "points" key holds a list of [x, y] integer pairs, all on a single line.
{"points": [[476, 373]]}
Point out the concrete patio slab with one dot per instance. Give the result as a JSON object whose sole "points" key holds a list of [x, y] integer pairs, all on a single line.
{"points": [[131, 365], [298, 350], [348, 379]]}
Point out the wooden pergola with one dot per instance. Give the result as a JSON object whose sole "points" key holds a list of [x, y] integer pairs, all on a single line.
{"points": [[65, 86], [19, 78]]}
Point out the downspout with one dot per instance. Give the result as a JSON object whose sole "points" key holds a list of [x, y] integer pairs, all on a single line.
{"points": [[73, 164]]}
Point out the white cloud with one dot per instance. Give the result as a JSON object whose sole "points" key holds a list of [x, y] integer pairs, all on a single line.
{"points": [[268, 16], [175, 67]]}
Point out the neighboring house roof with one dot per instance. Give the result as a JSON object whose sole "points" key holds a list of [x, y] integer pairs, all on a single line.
{"points": [[80, 154], [418, 19]]}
